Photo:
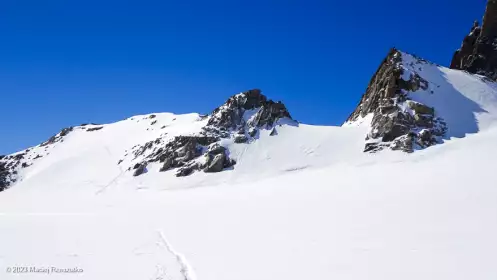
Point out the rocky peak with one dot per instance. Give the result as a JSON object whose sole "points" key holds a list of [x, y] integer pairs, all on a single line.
{"points": [[478, 52], [397, 121], [238, 120], [250, 108]]}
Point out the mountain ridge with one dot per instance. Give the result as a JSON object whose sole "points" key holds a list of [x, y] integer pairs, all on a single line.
{"points": [[410, 104], [404, 189]]}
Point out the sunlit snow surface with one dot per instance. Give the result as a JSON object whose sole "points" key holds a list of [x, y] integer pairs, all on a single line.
{"points": [[305, 204]]}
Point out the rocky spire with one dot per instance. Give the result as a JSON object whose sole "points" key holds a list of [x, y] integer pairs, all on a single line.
{"points": [[398, 122], [489, 27], [478, 52]]}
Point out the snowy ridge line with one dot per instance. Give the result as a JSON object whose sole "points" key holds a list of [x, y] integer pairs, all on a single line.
{"points": [[186, 269]]}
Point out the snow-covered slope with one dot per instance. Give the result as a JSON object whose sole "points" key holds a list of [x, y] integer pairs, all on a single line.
{"points": [[301, 202], [466, 102]]}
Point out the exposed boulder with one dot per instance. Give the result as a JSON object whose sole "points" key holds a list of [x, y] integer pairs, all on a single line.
{"points": [[404, 143], [240, 138], [215, 163], [215, 149], [217, 159], [229, 162], [168, 163], [187, 170], [423, 120], [425, 138], [253, 132], [140, 169], [419, 108]]}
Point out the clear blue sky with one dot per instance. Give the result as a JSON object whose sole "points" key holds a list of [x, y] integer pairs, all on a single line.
{"points": [[64, 63]]}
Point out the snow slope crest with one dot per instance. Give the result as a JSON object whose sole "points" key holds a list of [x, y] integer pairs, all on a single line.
{"points": [[410, 104], [160, 142]]}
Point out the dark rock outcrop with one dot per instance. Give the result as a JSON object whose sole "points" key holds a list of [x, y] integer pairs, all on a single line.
{"points": [[478, 52], [140, 169], [9, 166], [230, 116], [57, 137], [168, 163], [187, 170], [217, 159], [4, 176], [215, 163], [240, 138], [397, 120], [94, 128]]}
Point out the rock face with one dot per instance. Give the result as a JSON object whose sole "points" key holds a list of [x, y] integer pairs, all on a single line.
{"points": [[478, 52], [238, 120], [398, 122]]}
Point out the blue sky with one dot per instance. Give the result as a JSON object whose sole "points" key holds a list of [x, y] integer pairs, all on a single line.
{"points": [[64, 63]]}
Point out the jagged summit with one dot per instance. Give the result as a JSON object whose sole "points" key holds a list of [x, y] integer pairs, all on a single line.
{"points": [[397, 121], [478, 52], [233, 113]]}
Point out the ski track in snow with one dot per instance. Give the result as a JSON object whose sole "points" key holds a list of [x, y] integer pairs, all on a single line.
{"points": [[115, 178], [186, 269]]}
